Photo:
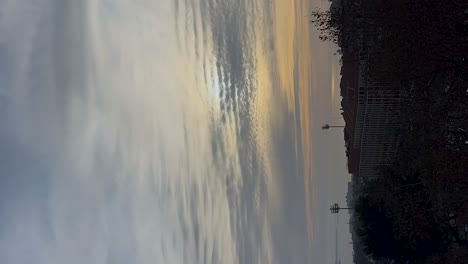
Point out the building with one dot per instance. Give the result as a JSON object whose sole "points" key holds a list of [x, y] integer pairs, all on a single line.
{"points": [[370, 111]]}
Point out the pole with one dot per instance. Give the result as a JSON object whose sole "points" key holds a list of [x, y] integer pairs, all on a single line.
{"points": [[335, 208], [327, 126]]}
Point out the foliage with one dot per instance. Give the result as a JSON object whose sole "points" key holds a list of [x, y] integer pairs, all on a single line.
{"points": [[421, 48]]}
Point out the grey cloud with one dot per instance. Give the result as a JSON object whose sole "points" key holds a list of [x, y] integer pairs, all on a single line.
{"points": [[114, 172], [233, 39], [120, 167]]}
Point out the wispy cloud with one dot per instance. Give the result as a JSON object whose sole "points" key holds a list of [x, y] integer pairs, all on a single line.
{"points": [[123, 138], [133, 142]]}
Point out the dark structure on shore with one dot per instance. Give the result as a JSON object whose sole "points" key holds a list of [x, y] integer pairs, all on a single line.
{"points": [[370, 110], [404, 69]]}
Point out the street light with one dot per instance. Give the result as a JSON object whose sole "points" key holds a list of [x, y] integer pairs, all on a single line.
{"points": [[327, 126], [335, 208]]}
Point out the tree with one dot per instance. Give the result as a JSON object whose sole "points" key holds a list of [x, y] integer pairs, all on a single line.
{"points": [[327, 23]]}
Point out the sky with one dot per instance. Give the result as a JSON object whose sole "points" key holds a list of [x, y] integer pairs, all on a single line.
{"points": [[168, 131]]}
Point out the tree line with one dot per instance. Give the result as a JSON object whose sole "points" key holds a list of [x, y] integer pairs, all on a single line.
{"points": [[415, 209]]}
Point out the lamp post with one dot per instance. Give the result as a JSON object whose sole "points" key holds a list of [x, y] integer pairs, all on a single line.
{"points": [[327, 126], [335, 208]]}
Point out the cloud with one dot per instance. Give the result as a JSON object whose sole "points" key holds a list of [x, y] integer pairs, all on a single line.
{"points": [[118, 155], [90, 100]]}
